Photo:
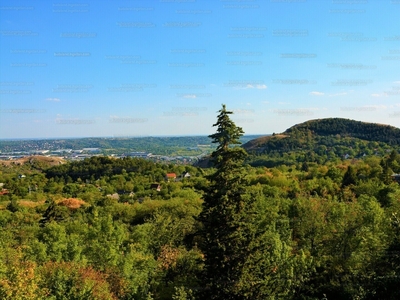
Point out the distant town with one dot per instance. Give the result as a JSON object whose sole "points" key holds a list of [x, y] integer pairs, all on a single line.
{"points": [[180, 150], [81, 154]]}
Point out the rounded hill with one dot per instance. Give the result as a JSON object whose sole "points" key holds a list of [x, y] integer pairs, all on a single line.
{"points": [[313, 132]]}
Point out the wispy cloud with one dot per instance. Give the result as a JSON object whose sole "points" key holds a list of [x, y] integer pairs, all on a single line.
{"points": [[319, 94], [189, 96], [53, 99], [315, 93], [260, 87], [379, 95], [256, 86], [377, 106]]}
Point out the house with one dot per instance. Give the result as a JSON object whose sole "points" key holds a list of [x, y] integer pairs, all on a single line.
{"points": [[156, 186], [396, 178], [170, 176], [185, 175], [4, 192]]}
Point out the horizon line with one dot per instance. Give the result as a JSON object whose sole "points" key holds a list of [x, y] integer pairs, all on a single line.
{"points": [[115, 136]]}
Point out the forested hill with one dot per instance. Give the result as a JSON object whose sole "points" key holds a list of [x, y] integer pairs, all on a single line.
{"points": [[350, 128], [328, 131]]}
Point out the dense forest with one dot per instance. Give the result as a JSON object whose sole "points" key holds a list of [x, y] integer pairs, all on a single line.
{"points": [[351, 128], [322, 141], [319, 219]]}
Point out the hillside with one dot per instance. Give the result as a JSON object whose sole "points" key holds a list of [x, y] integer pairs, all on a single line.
{"points": [[350, 128], [35, 161], [329, 132]]}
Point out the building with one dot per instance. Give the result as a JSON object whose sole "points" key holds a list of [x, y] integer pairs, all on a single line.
{"points": [[39, 152], [185, 175], [156, 186], [139, 154], [4, 192], [396, 178], [170, 176], [91, 149], [59, 151]]}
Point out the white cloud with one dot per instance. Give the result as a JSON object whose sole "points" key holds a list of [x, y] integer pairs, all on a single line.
{"points": [[53, 99], [190, 96], [317, 93], [256, 86], [376, 106], [377, 95]]}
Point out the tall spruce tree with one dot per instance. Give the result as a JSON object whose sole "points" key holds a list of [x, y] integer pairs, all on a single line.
{"points": [[224, 237], [242, 252]]}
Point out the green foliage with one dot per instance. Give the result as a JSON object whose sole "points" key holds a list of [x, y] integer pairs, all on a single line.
{"points": [[244, 255], [350, 177], [182, 294], [71, 281], [323, 141], [346, 127], [310, 225], [18, 278]]}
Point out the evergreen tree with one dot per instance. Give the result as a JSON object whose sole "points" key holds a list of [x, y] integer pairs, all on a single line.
{"points": [[350, 177], [222, 215], [387, 172], [241, 254]]}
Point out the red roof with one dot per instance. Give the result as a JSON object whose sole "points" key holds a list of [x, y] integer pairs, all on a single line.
{"points": [[171, 175], [4, 192]]}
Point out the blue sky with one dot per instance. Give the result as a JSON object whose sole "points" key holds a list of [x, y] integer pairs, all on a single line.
{"points": [[139, 68]]}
